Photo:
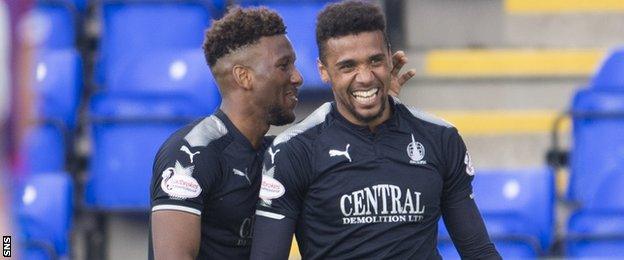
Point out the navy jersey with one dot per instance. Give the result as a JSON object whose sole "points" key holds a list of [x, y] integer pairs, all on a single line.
{"points": [[209, 168], [356, 194]]}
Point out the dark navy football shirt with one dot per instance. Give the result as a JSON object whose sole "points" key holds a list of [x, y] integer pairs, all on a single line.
{"points": [[356, 194], [210, 169]]}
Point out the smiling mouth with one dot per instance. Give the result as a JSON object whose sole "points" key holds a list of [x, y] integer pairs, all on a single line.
{"points": [[365, 97]]}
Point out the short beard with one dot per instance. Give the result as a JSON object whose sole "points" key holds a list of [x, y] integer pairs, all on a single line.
{"points": [[279, 116]]}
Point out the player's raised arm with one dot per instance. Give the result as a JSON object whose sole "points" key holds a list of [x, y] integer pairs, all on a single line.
{"points": [[460, 213]]}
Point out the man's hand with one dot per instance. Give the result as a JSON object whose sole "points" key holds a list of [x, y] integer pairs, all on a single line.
{"points": [[398, 60]]}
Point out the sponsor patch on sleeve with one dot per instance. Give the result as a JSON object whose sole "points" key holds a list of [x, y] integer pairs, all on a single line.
{"points": [[271, 188], [179, 183]]}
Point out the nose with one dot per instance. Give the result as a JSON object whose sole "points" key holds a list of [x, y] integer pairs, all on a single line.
{"points": [[296, 78], [364, 75]]}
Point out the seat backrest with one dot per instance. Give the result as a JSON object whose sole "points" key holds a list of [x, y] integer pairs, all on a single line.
{"points": [[45, 210], [517, 202], [598, 142], [44, 149], [144, 28], [611, 75], [178, 74], [57, 75], [52, 26], [121, 164]]}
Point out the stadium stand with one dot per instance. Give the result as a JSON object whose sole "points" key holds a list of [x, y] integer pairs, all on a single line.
{"points": [[517, 208], [45, 215], [155, 80]]}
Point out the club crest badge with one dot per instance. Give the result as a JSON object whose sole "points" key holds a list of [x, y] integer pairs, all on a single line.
{"points": [[416, 152], [179, 183]]}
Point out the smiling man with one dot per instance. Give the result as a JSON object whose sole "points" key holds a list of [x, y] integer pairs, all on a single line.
{"points": [[365, 177], [206, 176]]}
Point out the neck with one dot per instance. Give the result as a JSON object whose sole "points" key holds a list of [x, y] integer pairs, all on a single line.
{"points": [[247, 120], [372, 125]]}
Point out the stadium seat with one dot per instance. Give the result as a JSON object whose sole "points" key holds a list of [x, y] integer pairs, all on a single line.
{"points": [[517, 208], [140, 29], [178, 74], [598, 119], [597, 228], [45, 215], [57, 81], [610, 74], [121, 164], [44, 148], [53, 25], [298, 17]]}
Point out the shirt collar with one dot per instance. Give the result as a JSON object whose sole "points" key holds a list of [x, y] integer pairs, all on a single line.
{"points": [[391, 124], [236, 135]]}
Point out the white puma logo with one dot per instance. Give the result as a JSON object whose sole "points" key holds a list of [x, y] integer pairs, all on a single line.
{"points": [[344, 153], [240, 173], [186, 150], [273, 154]]}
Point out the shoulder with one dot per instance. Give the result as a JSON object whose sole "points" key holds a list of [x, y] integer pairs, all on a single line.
{"points": [[193, 142], [304, 128], [414, 114]]}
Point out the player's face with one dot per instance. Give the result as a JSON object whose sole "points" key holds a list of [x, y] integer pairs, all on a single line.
{"points": [[358, 67], [276, 79]]}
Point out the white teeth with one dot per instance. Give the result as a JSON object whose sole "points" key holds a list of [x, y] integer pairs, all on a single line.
{"points": [[365, 94]]}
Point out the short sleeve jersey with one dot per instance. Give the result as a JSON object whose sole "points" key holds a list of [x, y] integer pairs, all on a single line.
{"points": [[210, 169], [356, 194]]}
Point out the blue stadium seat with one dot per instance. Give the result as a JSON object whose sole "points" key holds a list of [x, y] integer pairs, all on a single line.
{"points": [[178, 74], [140, 29], [300, 17], [517, 208], [610, 74], [53, 26], [598, 120], [57, 81], [44, 148], [597, 229], [121, 165], [45, 215]]}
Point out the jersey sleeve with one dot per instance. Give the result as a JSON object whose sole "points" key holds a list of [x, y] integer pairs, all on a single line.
{"points": [[285, 178], [460, 171], [182, 177]]}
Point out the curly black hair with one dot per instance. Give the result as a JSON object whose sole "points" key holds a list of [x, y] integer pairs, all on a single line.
{"points": [[347, 18], [238, 28]]}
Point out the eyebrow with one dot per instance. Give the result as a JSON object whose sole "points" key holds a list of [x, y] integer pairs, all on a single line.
{"points": [[377, 56], [345, 62]]}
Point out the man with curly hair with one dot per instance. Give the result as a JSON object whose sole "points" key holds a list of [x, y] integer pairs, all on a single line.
{"points": [[365, 177], [206, 176]]}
